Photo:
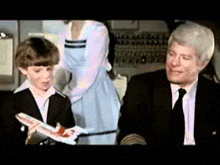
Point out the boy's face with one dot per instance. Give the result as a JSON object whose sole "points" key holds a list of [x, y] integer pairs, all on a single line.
{"points": [[40, 77]]}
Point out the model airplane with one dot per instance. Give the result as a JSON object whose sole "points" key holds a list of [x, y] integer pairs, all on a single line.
{"points": [[46, 130]]}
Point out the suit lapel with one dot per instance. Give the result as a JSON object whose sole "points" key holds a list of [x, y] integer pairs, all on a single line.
{"points": [[201, 105], [162, 103], [198, 103], [53, 109], [29, 105]]}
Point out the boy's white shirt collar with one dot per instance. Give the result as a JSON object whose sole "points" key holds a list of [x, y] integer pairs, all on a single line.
{"points": [[26, 84], [23, 86]]}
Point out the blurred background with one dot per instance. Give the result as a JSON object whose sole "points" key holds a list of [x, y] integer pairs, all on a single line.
{"points": [[136, 46]]}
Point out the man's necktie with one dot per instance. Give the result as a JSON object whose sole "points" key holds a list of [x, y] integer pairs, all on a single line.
{"points": [[177, 119]]}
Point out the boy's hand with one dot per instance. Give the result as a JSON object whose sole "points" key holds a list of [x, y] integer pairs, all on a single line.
{"points": [[32, 130], [76, 130]]}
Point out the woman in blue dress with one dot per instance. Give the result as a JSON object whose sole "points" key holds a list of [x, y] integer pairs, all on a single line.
{"points": [[82, 76]]}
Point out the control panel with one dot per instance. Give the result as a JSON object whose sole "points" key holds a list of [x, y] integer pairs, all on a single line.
{"points": [[133, 49]]}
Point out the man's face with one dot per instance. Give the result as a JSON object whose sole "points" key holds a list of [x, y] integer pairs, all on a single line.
{"points": [[182, 64], [40, 77]]}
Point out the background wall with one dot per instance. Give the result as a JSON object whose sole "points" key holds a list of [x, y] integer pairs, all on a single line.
{"points": [[22, 28], [11, 27], [25, 28]]}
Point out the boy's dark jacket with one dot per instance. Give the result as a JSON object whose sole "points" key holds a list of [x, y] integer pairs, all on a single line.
{"points": [[59, 110]]}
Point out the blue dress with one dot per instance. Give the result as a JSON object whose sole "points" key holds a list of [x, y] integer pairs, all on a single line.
{"points": [[95, 102]]}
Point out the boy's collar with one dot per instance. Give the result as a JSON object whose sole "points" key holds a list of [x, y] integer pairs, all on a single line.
{"points": [[23, 86], [26, 84]]}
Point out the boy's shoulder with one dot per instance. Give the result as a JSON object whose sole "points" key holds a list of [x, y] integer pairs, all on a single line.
{"points": [[60, 94], [26, 90], [21, 92]]}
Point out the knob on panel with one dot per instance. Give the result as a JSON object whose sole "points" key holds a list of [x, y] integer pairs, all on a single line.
{"points": [[133, 49]]}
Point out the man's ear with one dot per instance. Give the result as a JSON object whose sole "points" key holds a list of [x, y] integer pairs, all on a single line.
{"points": [[202, 65], [23, 71]]}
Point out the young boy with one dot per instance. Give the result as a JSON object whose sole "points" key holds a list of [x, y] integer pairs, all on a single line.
{"points": [[36, 97]]}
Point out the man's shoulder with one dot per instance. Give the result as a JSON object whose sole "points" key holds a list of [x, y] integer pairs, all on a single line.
{"points": [[208, 85]]}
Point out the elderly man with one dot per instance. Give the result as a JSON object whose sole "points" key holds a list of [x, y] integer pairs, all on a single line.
{"points": [[176, 106]]}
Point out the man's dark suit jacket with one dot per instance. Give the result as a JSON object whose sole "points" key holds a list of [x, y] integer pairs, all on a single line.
{"points": [[147, 108], [59, 110]]}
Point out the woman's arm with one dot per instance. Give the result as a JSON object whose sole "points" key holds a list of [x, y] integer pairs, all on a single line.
{"points": [[96, 52]]}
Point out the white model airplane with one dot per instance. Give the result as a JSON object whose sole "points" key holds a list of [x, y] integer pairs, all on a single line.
{"points": [[46, 130]]}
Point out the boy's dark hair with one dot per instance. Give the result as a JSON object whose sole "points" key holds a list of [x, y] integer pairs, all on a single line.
{"points": [[36, 52]]}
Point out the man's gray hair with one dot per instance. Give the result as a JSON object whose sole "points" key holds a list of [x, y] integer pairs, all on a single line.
{"points": [[199, 37]]}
